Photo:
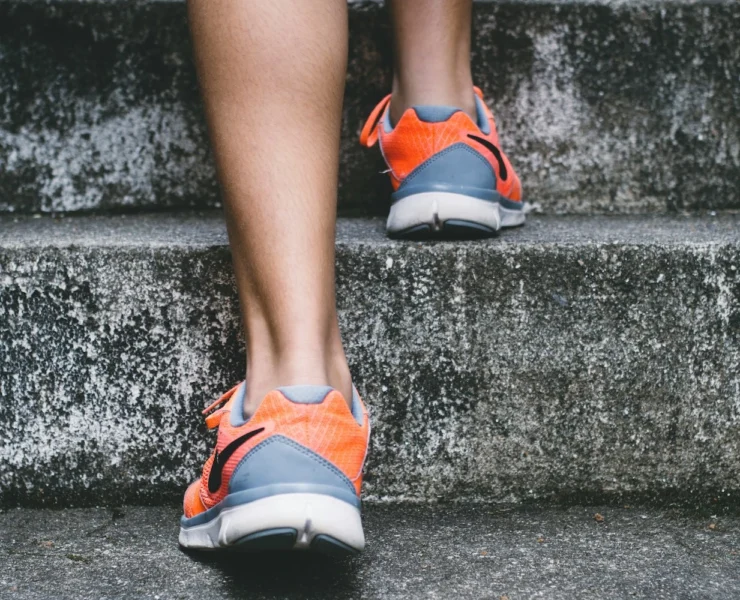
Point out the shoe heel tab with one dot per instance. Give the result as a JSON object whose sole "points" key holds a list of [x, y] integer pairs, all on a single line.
{"points": [[317, 394], [429, 117], [305, 394], [434, 114]]}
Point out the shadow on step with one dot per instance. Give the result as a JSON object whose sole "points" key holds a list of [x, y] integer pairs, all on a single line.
{"points": [[282, 573]]}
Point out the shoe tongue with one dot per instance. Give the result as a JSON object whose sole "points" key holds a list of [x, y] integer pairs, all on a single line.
{"points": [[306, 394], [435, 114]]}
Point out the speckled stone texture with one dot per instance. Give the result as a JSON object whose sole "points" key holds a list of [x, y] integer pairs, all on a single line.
{"points": [[575, 359], [435, 553], [603, 107]]}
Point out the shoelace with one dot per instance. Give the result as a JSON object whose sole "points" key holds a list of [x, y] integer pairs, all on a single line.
{"points": [[369, 133], [213, 416]]}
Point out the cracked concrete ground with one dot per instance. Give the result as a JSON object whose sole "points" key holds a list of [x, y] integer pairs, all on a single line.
{"points": [[460, 551]]}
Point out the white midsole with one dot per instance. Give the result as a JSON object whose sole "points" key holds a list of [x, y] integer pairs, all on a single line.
{"points": [[511, 217], [309, 514], [434, 208]]}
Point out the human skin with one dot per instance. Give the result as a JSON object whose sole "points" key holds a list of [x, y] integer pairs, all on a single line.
{"points": [[272, 77]]}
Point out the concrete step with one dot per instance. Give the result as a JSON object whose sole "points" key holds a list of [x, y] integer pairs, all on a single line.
{"points": [[467, 552], [604, 106], [575, 359]]}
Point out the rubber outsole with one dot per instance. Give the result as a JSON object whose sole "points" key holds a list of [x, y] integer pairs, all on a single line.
{"points": [[329, 546], [284, 539], [281, 538]]}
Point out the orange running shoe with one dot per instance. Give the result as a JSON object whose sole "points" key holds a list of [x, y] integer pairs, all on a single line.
{"points": [[287, 477], [449, 175]]}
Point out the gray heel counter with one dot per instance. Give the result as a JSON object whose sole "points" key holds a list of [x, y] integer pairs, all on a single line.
{"points": [[281, 465], [457, 167]]}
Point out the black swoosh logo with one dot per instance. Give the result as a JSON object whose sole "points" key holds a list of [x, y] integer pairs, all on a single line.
{"points": [[496, 152], [220, 459]]}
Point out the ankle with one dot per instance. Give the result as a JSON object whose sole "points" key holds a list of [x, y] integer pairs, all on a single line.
{"points": [[264, 375], [450, 93]]}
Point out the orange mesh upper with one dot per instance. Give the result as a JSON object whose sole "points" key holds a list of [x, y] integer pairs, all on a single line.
{"points": [[329, 429], [193, 505], [413, 141]]}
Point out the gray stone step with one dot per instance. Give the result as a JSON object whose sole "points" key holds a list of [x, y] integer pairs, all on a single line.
{"points": [[470, 552], [575, 359], [625, 107]]}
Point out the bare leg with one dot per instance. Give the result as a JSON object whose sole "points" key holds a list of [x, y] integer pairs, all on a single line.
{"points": [[272, 76], [432, 54]]}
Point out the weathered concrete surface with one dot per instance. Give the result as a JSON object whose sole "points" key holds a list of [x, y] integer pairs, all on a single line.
{"points": [[603, 107], [573, 359], [466, 552]]}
